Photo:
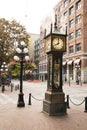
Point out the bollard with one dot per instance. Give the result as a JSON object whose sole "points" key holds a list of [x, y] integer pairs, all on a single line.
{"points": [[85, 104], [29, 102], [3, 88], [11, 87], [67, 103]]}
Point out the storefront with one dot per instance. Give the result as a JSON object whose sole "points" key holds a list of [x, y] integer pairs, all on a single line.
{"points": [[72, 70]]}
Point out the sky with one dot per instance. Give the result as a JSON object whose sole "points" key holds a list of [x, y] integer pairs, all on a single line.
{"points": [[29, 13]]}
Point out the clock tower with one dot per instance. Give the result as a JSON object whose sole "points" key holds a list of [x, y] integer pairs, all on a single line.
{"points": [[54, 102]]}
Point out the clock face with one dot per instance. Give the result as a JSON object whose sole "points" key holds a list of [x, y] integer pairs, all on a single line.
{"points": [[58, 43], [48, 44], [55, 43]]}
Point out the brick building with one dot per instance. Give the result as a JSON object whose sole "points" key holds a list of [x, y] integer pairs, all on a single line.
{"points": [[36, 56], [73, 13], [43, 57]]}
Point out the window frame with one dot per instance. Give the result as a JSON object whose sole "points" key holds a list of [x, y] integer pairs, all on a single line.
{"points": [[78, 47], [71, 10], [78, 32], [71, 49], [78, 5], [78, 19], [71, 35], [71, 23]]}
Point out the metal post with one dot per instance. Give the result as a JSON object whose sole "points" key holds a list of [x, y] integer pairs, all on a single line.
{"points": [[85, 104], [69, 76], [11, 87], [22, 56], [67, 103], [29, 102], [20, 97], [3, 88], [21, 76], [69, 81]]}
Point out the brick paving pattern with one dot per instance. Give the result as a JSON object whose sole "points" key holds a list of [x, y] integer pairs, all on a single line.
{"points": [[31, 117]]}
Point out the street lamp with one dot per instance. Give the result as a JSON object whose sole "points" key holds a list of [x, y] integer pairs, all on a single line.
{"points": [[4, 68], [78, 73], [21, 56]]}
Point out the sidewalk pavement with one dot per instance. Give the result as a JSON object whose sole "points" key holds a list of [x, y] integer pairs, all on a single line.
{"points": [[32, 117]]}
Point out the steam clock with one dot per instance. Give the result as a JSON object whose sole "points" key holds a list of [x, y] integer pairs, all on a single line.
{"points": [[54, 102]]}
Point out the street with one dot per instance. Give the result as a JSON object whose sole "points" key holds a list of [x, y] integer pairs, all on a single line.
{"points": [[37, 90], [31, 117], [76, 93]]}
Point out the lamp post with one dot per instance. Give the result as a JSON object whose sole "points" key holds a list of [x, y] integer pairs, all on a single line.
{"points": [[21, 56], [78, 73], [4, 68]]}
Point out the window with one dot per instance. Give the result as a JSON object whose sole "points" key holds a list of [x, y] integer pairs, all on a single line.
{"points": [[78, 19], [70, 0], [78, 47], [55, 18], [60, 29], [78, 32], [65, 3], [78, 5], [71, 23], [60, 19], [71, 49], [71, 10], [71, 36], [65, 14], [59, 9]]}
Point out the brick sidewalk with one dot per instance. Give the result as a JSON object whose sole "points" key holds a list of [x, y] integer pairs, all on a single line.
{"points": [[31, 117]]}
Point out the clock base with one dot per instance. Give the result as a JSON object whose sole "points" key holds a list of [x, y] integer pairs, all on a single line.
{"points": [[54, 103]]}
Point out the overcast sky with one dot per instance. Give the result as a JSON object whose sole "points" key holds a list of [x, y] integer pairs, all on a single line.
{"points": [[28, 12]]}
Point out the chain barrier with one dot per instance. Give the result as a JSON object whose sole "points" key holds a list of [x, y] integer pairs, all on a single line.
{"points": [[85, 100], [75, 103], [30, 95], [36, 98], [67, 102]]}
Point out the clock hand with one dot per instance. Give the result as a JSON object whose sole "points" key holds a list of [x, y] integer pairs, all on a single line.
{"points": [[57, 43]]}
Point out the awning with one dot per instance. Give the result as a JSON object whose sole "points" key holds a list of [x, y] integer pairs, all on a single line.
{"points": [[70, 62], [77, 61], [64, 62]]}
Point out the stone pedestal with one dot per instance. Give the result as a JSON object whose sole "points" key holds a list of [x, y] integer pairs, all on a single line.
{"points": [[54, 103]]}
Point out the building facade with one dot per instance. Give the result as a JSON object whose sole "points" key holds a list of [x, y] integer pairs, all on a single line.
{"points": [[32, 39], [42, 54], [42, 58], [36, 57], [73, 13]]}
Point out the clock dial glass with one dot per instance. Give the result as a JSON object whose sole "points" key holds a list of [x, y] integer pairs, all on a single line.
{"points": [[48, 44], [58, 43]]}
